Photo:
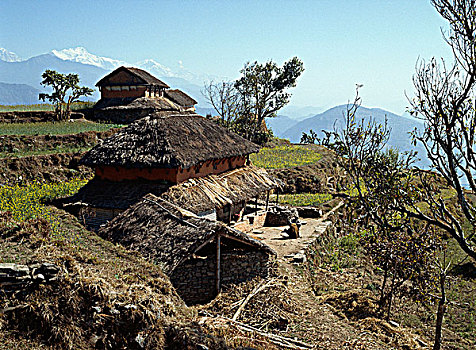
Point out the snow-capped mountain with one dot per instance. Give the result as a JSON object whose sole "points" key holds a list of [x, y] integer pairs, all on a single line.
{"points": [[8, 56], [91, 68], [81, 55], [155, 68]]}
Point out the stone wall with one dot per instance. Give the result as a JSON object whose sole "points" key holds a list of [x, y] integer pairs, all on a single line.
{"points": [[120, 115], [33, 116], [195, 279], [251, 221]]}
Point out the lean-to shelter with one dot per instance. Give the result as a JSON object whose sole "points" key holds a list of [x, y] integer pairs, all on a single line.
{"points": [[199, 255]]}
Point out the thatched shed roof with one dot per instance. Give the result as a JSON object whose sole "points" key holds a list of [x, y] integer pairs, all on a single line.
{"points": [[215, 191], [172, 141], [180, 97], [167, 233], [138, 77], [156, 103]]}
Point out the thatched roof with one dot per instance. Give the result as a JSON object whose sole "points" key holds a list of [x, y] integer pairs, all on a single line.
{"points": [[215, 191], [180, 97], [168, 234], [99, 193], [139, 77], [173, 141]]}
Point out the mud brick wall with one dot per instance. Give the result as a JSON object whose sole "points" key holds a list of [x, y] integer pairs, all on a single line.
{"points": [[195, 279]]}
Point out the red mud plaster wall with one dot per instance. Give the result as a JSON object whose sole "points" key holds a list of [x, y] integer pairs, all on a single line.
{"points": [[138, 92], [118, 174], [169, 174], [211, 167]]}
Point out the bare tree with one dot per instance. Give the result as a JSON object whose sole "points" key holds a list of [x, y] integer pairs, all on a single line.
{"points": [[445, 101], [225, 99]]}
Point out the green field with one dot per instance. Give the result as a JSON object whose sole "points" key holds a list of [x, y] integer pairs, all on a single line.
{"points": [[302, 199], [42, 152], [284, 157], [25, 201], [43, 107], [53, 128]]}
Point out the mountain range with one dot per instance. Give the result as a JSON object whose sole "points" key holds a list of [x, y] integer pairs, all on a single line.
{"points": [[400, 126], [91, 68]]}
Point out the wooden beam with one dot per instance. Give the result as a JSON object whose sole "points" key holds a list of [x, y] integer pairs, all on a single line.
{"points": [[218, 267], [267, 199]]}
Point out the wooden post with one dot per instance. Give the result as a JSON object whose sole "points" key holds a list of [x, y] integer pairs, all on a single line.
{"points": [[256, 203], [277, 196], [267, 199], [218, 270]]}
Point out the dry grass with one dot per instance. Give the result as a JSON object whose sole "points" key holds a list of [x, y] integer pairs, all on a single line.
{"points": [[106, 296]]}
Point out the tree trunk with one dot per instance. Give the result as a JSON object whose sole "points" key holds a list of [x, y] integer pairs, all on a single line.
{"points": [[441, 312]]}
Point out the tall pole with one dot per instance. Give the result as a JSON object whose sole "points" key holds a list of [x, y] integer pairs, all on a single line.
{"points": [[218, 270]]}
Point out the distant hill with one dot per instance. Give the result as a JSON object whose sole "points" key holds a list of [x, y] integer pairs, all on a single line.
{"points": [[400, 126], [280, 124], [18, 94], [300, 112]]}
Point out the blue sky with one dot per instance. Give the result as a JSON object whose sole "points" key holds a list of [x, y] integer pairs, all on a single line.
{"points": [[341, 42]]}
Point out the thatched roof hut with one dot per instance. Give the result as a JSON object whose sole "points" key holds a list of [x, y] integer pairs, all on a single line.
{"points": [[168, 234], [199, 255], [176, 141], [135, 76]]}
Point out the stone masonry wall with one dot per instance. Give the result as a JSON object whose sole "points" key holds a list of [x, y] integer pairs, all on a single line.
{"points": [[195, 279]]}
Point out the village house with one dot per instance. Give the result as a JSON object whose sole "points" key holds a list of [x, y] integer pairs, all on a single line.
{"points": [[199, 255], [128, 94], [189, 159]]}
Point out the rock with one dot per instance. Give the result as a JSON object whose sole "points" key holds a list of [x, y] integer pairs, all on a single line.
{"points": [[280, 216]]}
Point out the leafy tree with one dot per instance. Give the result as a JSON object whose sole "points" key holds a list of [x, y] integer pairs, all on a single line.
{"points": [[261, 91], [66, 90]]}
